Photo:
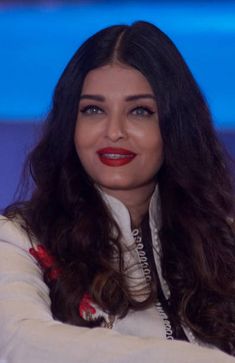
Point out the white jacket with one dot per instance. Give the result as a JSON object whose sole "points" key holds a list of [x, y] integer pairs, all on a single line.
{"points": [[29, 334]]}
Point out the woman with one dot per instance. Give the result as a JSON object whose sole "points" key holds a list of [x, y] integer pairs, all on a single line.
{"points": [[129, 226]]}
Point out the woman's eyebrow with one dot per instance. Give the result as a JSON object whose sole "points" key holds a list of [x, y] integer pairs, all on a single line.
{"points": [[128, 98], [93, 97], [136, 97]]}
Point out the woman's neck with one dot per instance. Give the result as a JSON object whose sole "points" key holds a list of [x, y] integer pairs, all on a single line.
{"points": [[136, 201]]}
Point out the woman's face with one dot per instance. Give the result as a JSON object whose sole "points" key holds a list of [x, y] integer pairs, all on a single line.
{"points": [[117, 135]]}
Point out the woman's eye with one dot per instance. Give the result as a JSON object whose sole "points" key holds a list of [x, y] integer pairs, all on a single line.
{"points": [[142, 111], [91, 110]]}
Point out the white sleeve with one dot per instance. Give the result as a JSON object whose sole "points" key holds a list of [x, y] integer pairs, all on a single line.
{"points": [[28, 332]]}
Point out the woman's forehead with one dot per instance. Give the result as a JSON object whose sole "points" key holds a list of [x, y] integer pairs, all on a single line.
{"points": [[119, 77]]}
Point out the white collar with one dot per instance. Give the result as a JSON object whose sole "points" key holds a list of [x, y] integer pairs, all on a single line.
{"points": [[134, 273], [122, 216]]}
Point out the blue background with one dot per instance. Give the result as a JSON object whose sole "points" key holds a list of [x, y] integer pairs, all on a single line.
{"points": [[36, 42]]}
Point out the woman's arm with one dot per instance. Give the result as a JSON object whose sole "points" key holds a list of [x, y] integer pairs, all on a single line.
{"points": [[28, 333]]}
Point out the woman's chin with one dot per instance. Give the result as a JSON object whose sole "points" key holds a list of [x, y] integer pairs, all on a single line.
{"points": [[116, 185]]}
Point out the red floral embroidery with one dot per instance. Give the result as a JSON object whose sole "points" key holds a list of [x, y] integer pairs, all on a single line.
{"points": [[86, 310], [46, 261]]}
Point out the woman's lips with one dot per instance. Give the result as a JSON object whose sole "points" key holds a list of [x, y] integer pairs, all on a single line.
{"points": [[115, 156]]}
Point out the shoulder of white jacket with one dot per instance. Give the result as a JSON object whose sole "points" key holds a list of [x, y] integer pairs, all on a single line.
{"points": [[12, 232]]}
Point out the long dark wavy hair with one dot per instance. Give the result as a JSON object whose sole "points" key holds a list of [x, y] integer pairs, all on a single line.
{"points": [[195, 186]]}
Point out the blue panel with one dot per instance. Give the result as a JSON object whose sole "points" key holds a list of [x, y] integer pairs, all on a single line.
{"points": [[36, 43]]}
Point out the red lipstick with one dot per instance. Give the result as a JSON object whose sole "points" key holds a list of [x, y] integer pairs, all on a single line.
{"points": [[113, 156]]}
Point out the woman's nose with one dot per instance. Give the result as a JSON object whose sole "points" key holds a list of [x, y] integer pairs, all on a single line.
{"points": [[116, 127]]}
